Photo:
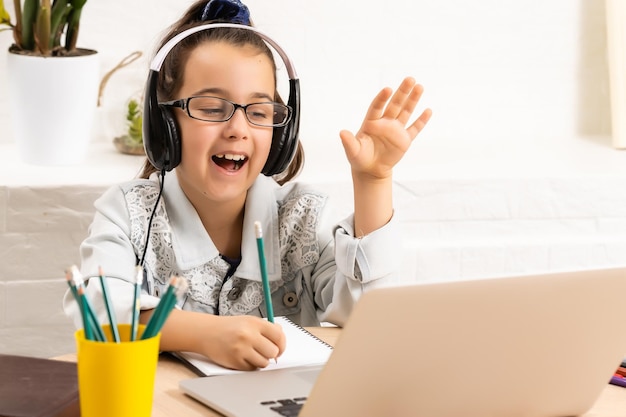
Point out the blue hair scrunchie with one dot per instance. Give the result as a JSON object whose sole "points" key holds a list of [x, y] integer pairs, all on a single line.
{"points": [[233, 11]]}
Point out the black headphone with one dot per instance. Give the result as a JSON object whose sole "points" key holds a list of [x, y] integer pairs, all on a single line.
{"points": [[161, 138]]}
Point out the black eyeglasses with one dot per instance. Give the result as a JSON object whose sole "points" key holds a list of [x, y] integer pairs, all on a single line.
{"points": [[215, 109]]}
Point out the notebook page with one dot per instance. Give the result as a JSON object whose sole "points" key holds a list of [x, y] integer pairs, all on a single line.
{"points": [[302, 349]]}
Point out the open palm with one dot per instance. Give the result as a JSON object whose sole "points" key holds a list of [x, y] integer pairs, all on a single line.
{"points": [[384, 138]]}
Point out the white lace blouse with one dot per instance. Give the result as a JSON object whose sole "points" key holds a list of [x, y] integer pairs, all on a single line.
{"points": [[316, 267]]}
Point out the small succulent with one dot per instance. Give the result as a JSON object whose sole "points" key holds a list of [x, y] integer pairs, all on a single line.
{"points": [[132, 141], [134, 120]]}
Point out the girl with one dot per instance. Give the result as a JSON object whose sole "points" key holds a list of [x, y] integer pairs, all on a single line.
{"points": [[217, 89]]}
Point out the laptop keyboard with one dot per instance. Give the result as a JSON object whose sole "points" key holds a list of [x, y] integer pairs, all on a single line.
{"points": [[287, 407]]}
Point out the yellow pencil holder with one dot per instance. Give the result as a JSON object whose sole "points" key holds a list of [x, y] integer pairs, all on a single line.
{"points": [[117, 379]]}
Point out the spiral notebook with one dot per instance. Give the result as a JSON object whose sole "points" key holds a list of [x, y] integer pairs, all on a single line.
{"points": [[303, 349]]}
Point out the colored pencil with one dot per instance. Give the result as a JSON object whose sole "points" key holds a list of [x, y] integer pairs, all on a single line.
{"points": [[136, 303], [83, 311], [174, 292], [77, 283], [107, 304], [157, 315], [618, 380], [266, 285]]}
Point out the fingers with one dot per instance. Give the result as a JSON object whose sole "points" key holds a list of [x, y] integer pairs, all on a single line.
{"points": [[377, 108], [247, 343], [408, 105], [350, 144], [275, 335], [269, 345], [419, 124], [399, 105], [403, 101]]}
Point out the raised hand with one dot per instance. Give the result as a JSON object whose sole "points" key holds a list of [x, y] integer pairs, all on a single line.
{"points": [[384, 137]]}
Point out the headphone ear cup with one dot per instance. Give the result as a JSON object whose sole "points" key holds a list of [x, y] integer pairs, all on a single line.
{"points": [[161, 140], [273, 165], [285, 138], [173, 144]]}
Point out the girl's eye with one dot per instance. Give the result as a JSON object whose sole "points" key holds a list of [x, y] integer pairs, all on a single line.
{"points": [[212, 111], [257, 115], [209, 108], [260, 112]]}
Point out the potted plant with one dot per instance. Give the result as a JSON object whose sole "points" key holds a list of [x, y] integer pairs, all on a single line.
{"points": [[54, 84], [132, 141]]}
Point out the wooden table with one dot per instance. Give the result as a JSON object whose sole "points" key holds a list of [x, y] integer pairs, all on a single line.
{"points": [[169, 400]]}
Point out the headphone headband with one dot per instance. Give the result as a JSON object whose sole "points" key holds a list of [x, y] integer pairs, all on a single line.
{"points": [[158, 59]]}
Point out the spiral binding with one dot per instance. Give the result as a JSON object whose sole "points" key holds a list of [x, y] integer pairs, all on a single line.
{"points": [[307, 332]]}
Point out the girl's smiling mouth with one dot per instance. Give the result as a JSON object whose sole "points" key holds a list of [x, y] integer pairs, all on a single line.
{"points": [[230, 162]]}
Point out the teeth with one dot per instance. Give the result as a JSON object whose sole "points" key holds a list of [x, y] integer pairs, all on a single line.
{"points": [[231, 156]]}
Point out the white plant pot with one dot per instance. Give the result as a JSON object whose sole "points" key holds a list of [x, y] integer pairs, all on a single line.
{"points": [[53, 102]]}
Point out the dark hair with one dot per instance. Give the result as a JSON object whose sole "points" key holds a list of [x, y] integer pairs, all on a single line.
{"points": [[171, 79]]}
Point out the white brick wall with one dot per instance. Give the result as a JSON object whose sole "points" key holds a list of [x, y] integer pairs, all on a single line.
{"points": [[469, 229], [41, 227]]}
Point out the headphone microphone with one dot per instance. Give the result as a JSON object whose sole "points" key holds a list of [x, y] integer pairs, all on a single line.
{"points": [[161, 137]]}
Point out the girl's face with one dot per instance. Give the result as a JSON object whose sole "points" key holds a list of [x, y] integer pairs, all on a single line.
{"points": [[221, 160]]}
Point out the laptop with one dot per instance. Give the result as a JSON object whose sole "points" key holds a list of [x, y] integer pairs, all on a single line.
{"points": [[533, 346]]}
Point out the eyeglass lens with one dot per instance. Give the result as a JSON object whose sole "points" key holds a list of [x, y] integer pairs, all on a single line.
{"points": [[214, 109]]}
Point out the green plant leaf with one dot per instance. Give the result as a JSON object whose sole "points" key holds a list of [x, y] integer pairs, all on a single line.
{"points": [[42, 28], [5, 18], [73, 23], [60, 10], [30, 10]]}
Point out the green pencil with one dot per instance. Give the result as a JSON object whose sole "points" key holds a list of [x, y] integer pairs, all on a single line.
{"points": [[179, 288], [136, 302], [75, 283], [266, 285], [156, 317], [107, 304], [83, 311]]}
